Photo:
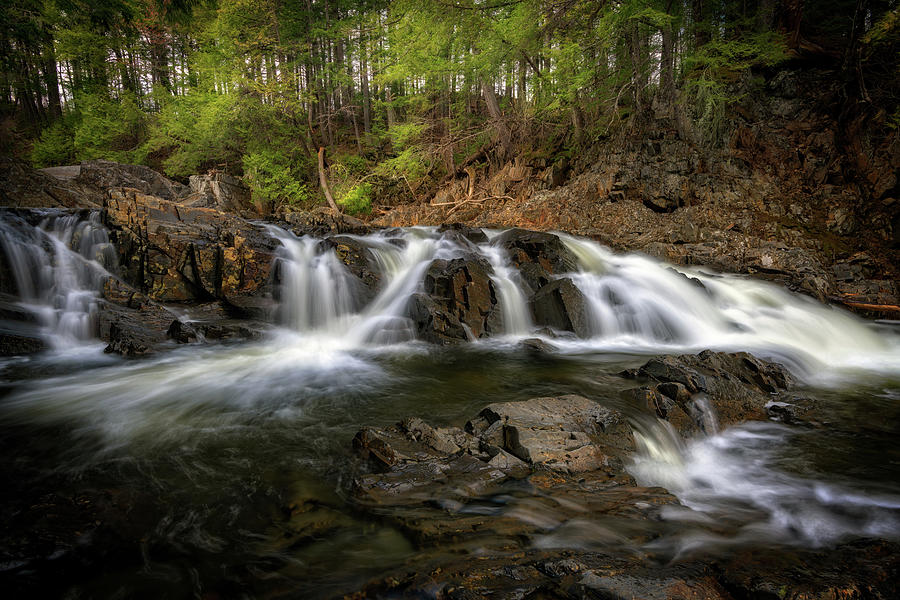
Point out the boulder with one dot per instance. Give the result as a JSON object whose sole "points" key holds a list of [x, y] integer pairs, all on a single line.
{"points": [[322, 221], [223, 192], [22, 186], [103, 175], [174, 253], [537, 255], [570, 433], [561, 306], [463, 233], [356, 256], [711, 389], [459, 302]]}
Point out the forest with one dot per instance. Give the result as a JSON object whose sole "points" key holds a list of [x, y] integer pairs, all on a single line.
{"points": [[403, 94]]}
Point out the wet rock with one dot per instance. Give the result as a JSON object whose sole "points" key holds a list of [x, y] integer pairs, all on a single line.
{"points": [[459, 302], [570, 433], [13, 343], [537, 255], [736, 386], [212, 323], [463, 233], [174, 253], [323, 221], [358, 259], [561, 306]]}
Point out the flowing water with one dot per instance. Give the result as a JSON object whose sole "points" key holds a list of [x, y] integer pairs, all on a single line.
{"points": [[209, 445]]}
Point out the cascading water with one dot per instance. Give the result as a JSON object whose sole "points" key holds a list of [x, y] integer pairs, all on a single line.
{"points": [[316, 289], [731, 480], [639, 304], [513, 304], [241, 452], [58, 268]]}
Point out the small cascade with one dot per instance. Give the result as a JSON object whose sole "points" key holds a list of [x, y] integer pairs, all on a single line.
{"points": [[638, 302], [316, 288], [513, 303], [731, 479], [58, 268], [631, 302]]}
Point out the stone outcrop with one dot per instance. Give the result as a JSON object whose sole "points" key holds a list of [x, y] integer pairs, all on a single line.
{"points": [[174, 253], [23, 187], [537, 255], [104, 175], [223, 192], [560, 305], [459, 302], [703, 392], [324, 221]]}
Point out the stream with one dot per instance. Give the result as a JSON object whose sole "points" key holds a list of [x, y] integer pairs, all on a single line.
{"points": [[200, 451]]}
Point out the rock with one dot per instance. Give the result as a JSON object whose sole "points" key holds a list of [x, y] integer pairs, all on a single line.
{"points": [[104, 175], [459, 302], [463, 233], [357, 257], [537, 255], [570, 434], [223, 192], [22, 186], [561, 306], [132, 327], [692, 389], [174, 253], [324, 220]]}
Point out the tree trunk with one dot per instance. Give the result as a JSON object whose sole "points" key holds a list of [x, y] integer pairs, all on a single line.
{"points": [[323, 181], [364, 83], [389, 99], [667, 66]]}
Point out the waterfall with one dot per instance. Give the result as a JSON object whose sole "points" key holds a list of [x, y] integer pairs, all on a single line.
{"points": [[513, 303], [316, 288], [58, 269], [631, 303], [643, 304]]}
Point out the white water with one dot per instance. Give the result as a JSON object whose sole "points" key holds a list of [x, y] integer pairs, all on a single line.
{"points": [[728, 483], [59, 268], [326, 359], [634, 304], [639, 304]]}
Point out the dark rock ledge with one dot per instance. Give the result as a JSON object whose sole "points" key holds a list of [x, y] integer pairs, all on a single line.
{"points": [[484, 503]]}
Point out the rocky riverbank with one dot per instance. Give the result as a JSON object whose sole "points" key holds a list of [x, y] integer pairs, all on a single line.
{"points": [[525, 477]]}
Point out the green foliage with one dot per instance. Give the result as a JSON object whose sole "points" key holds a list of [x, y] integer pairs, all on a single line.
{"points": [[110, 129], [357, 200], [274, 179], [404, 135], [198, 131], [409, 164], [55, 147], [712, 70]]}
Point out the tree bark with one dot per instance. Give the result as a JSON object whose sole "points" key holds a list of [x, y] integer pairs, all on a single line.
{"points": [[323, 181]]}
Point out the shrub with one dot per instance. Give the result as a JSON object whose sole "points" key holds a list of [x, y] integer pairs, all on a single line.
{"points": [[358, 200], [55, 147], [272, 178]]}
